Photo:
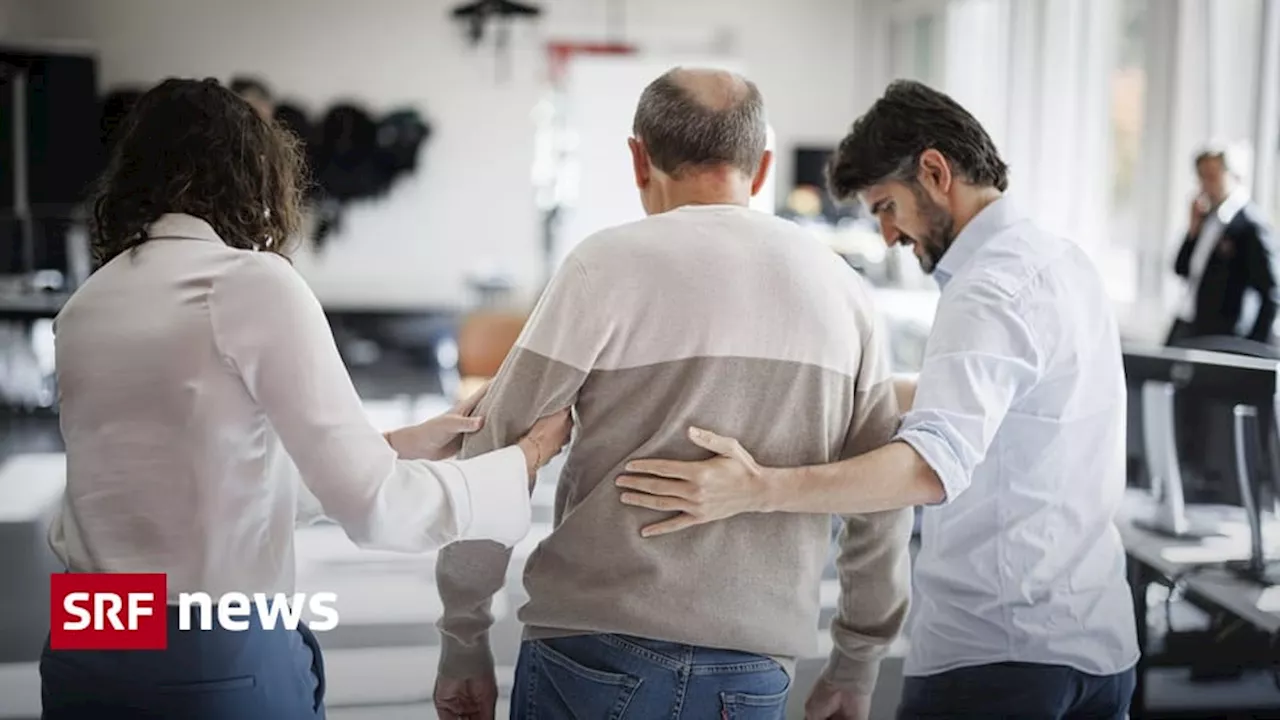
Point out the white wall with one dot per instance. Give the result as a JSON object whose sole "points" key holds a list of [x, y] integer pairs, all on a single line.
{"points": [[471, 206], [14, 18]]}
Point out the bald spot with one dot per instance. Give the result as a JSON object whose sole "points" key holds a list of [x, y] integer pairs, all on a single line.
{"points": [[700, 118], [715, 90]]}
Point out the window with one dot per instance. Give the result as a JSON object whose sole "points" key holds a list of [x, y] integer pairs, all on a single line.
{"points": [[1128, 94], [916, 44], [1128, 81]]}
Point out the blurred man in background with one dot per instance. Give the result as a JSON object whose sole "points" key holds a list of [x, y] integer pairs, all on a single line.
{"points": [[705, 311], [1227, 254]]}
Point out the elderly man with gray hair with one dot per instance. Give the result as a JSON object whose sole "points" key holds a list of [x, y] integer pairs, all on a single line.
{"points": [[705, 313]]}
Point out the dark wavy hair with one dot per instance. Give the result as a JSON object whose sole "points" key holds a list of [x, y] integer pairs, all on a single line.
{"points": [[195, 147], [886, 143]]}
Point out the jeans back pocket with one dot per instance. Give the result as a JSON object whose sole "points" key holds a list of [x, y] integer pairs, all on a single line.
{"points": [[582, 691]]}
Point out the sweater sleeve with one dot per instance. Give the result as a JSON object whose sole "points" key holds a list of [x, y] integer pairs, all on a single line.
{"points": [[542, 375], [873, 561]]}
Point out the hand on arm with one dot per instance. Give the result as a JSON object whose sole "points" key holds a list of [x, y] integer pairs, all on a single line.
{"points": [[441, 437]]}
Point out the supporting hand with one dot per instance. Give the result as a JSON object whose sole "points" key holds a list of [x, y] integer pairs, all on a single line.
{"points": [[546, 439], [441, 436], [701, 492]]}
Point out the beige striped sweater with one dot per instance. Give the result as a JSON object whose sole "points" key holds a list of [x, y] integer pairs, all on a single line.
{"points": [[735, 321]]}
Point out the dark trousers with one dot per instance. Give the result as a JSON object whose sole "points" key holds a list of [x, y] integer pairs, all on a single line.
{"points": [[216, 674], [623, 678], [1024, 691]]}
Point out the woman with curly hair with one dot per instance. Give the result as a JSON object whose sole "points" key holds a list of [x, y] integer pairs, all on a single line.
{"points": [[193, 366]]}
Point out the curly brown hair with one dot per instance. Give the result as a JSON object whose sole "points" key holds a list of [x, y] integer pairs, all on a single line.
{"points": [[195, 147]]}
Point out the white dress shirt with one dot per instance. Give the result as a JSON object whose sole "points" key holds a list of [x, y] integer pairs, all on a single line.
{"points": [[1210, 233], [187, 370], [1020, 409]]}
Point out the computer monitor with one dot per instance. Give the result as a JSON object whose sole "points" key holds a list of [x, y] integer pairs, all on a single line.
{"points": [[50, 151], [809, 169], [1247, 385]]}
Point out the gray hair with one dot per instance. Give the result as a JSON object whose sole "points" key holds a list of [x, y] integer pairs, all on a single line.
{"points": [[680, 131]]}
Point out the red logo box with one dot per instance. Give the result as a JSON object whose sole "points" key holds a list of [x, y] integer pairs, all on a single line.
{"points": [[108, 611]]}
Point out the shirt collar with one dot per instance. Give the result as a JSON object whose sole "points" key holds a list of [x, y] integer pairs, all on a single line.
{"points": [[186, 227], [989, 221], [1234, 203]]}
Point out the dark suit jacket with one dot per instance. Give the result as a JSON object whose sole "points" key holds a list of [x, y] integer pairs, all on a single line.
{"points": [[1244, 258]]}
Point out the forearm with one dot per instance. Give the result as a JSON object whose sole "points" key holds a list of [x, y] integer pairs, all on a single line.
{"points": [[888, 478]]}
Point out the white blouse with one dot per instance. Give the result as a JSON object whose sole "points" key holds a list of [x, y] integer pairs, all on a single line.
{"points": [[191, 374]]}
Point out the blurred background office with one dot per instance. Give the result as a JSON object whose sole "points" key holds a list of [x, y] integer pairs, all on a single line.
{"points": [[461, 149]]}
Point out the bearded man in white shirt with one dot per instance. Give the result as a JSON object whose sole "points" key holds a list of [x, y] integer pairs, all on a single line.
{"points": [[1014, 440]]}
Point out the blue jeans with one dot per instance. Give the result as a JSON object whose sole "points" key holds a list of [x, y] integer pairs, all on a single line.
{"points": [[615, 678], [217, 674], [1017, 690]]}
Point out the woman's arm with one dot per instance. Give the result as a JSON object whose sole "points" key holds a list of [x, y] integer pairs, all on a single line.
{"points": [[271, 330]]}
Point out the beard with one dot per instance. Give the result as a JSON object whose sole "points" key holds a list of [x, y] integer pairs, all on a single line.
{"points": [[939, 231]]}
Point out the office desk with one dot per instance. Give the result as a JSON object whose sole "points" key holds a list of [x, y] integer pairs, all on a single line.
{"points": [[1196, 568]]}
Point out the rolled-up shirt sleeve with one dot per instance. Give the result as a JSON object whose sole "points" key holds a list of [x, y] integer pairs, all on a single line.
{"points": [[270, 329], [982, 356]]}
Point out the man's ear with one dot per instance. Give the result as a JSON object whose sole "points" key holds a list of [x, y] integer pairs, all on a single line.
{"points": [[935, 172], [762, 172], [640, 162]]}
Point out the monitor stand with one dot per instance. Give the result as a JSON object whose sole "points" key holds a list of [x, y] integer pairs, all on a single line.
{"points": [[1248, 439], [1161, 449]]}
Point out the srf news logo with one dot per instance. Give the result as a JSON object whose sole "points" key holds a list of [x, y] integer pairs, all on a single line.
{"points": [[120, 611]]}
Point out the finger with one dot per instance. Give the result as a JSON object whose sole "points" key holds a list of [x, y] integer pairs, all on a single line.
{"points": [[664, 468], [655, 486], [666, 527], [717, 444], [656, 502]]}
